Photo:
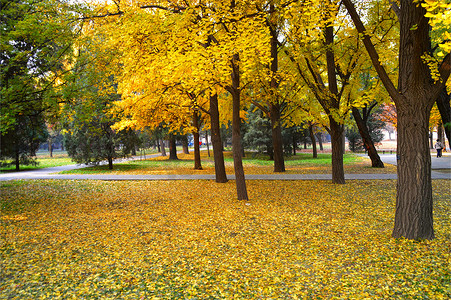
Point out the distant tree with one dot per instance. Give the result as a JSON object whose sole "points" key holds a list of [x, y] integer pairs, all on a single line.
{"points": [[257, 133], [19, 144]]}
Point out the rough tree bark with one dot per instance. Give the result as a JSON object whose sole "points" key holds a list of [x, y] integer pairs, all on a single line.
{"points": [[336, 129], [235, 90], [413, 98], [218, 155], [376, 161], [197, 161], [336, 134], [163, 150], [172, 148]]}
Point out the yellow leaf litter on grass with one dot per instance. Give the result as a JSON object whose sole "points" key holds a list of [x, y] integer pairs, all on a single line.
{"points": [[194, 240]]}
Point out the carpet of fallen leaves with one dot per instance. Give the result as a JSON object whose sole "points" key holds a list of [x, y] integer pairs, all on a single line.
{"points": [[194, 240]]}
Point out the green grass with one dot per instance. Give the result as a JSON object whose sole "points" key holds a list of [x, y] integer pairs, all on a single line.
{"points": [[43, 162]]}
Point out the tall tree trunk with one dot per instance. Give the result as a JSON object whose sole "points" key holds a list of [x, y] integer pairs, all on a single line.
{"points": [[336, 129], [236, 131], [312, 137], [276, 129], [274, 106], [376, 161], [319, 136], [172, 148], [197, 161], [163, 150], [294, 142], [336, 133], [445, 112], [218, 154]]}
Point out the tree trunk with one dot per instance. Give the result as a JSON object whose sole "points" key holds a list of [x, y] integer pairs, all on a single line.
{"points": [[431, 140], [172, 148], [312, 137], [279, 163], [376, 161], [163, 150], [50, 143], [184, 139], [197, 161], [218, 154], [336, 132], [17, 160], [208, 144], [236, 131], [320, 140], [413, 217], [294, 142], [274, 106], [445, 112], [110, 163]]}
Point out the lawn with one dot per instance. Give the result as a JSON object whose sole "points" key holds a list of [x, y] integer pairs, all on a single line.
{"points": [[194, 240], [302, 163], [44, 160]]}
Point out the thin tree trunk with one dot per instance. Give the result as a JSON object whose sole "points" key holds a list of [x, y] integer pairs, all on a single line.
{"points": [[172, 148], [163, 150], [336, 132], [376, 161], [274, 106], [218, 154], [312, 137], [319, 137], [279, 163], [208, 144], [50, 143], [295, 144], [197, 161], [236, 131], [17, 160], [110, 163], [445, 112]]}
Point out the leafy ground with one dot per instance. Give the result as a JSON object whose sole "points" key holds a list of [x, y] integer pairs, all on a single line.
{"points": [[194, 240], [302, 163]]}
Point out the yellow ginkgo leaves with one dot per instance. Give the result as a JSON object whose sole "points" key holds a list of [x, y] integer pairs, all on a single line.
{"points": [[146, 239]]}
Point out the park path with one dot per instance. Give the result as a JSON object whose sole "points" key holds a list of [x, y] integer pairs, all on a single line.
{"points": [[441, 169]]}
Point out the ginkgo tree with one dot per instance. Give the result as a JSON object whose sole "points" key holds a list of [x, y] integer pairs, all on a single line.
{"points": [[421, 79], [168, 49]]}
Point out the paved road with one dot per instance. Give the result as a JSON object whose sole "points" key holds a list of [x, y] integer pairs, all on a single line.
{"points": [[441, 169]]}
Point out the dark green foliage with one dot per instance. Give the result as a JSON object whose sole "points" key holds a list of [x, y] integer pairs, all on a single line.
{"points": [[20, 143], [257, 133]]}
